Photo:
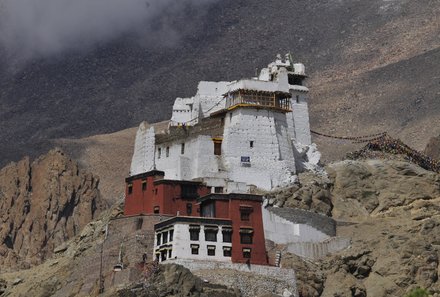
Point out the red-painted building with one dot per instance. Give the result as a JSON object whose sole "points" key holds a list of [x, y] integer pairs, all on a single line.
{"points": [[150, 193], [244, 210]]}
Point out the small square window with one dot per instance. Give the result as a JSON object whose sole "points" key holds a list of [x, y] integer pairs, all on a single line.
{"points": [[194, 249], [218, 190], [227, 251], [251, 144], [246, 253], [211, 250], [156, 209], [130, 188], [194, 232], [244, 215], [246, 236]]}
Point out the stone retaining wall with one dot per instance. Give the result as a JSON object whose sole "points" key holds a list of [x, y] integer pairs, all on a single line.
{"points": [[251, 280]]}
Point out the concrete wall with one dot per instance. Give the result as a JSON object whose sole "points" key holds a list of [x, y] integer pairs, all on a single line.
{"points": [[181, 245], [282, 231]]}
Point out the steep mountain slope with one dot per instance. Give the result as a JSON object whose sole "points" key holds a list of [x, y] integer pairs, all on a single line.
{"points": [[370, 63], [42, 204], [108, 156]]}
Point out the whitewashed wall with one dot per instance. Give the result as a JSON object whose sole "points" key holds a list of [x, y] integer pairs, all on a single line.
{"points": [[271, 157], [282, 231], [143, 155], [181, 245], [300, 114]]}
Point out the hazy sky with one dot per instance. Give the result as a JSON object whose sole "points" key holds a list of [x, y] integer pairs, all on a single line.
{"points": [[40, 28]]}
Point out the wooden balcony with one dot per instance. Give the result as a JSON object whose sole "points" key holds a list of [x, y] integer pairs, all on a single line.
{"points": [[259, 99]]}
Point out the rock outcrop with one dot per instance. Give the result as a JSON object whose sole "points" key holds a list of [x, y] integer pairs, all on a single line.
{"points": [[391, 212], [433, 148], [176, 281], [43, 204]]}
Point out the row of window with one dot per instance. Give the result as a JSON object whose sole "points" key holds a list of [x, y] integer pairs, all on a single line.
{"points": [[227, 250], [246, 235], [167, 151], [143, 186], [217, 148], [164, 237]]}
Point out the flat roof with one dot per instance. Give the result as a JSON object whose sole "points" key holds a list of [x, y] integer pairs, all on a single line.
{"points": [[231, 196], [193, 220], [144, 175]]}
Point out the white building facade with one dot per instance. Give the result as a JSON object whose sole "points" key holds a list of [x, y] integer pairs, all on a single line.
{"points": [[233, 135], [194, 239]]}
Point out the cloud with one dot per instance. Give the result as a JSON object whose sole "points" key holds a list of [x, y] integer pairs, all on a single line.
{"points": [[41, 28]]}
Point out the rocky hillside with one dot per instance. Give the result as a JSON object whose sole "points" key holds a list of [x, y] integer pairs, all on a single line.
{"points": [[370, 66], [42, 204], [391, 212], [108, 156]]}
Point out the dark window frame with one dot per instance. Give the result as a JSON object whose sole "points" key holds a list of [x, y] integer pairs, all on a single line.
{"points": [[210, 250], [227, 236], [246, 236], [194, 249], [171, 235], [227, 251], [245, 215], [211, 235], [247, 253], [194, 234], [217, 148]]}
